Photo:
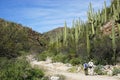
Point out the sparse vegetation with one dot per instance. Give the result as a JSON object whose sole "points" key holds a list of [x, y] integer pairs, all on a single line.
{"points": [[18, 69], [116, 71], [72, 69], [75, 45], [87, 40], [98, 70]]}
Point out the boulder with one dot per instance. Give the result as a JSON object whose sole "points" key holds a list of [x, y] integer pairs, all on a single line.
{"points": [[109, 72], [118, 76], [54, 78]]}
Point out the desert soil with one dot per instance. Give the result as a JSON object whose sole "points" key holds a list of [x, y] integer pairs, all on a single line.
{"points": [[60, 68]]}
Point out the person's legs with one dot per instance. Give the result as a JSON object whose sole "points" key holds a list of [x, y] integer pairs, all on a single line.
{"points": [[92, 71], [89, 71], [86, 72]]}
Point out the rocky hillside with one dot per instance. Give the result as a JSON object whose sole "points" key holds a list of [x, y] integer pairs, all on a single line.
{"points": [[16, 39], [53, 33]]}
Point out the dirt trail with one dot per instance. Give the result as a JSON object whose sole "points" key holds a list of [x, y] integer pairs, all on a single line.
{"points": [[81, 76], [60, 68]]}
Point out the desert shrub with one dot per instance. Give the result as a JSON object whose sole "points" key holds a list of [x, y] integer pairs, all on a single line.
{"points": [[75, 61], [116, 71], [41, 57], [72, 69], [34, 74], [23, 53], [59, 58], [18, 69], [98, 70]]}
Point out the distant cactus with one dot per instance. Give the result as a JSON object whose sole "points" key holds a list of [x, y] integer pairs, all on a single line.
{"points": [[116, 15], [65, 34], [87, 42], [90, 18], [76, 32], [113, 42], [105, 12]]}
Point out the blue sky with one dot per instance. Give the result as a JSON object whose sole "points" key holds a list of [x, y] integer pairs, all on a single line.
{"points": [[45, 15]]}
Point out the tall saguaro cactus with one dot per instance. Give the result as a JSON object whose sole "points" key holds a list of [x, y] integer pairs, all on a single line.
{"points": [[116, 16], [118, 5], [118, 8], [91, 18], [76, 33], [76, 36], [115, 13], [65, 34], [113, 42], [105, 11], [87, 42]]}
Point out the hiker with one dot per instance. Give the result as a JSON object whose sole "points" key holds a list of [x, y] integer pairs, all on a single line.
{"points": [[85, 65], [90, 67]]}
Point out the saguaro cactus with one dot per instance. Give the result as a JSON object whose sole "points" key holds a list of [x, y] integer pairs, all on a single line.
{"points": [[118, 9], [91, 18], [118, 5], [87, 42], [113, 42], [65, 34], [105, 11], [76, 36], [116, 15]]}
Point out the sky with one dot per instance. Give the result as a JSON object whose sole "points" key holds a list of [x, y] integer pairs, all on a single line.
{"points": [[45, 15]]}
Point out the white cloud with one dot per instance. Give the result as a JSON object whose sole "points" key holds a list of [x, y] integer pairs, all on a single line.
{"points": [[46, 14]]}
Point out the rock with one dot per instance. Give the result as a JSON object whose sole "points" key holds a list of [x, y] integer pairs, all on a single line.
{"points": [[48, 60], [107, 67], [68, 65], [110, 72], [54, 78], [118, 76], [79, 69]]}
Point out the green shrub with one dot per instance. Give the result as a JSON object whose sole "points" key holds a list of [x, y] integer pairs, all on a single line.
{"points": [[18, 69], [98, 70], [34, 74], [23, 53], [116, 71], [75, 61], [41, 57], [59, 58], [72, 69]]}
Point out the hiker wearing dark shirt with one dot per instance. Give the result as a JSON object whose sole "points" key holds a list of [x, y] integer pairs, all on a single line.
{"points": [[85, 65]]}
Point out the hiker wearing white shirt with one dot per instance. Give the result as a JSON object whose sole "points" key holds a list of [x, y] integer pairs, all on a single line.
{"points": [[91, 67]]}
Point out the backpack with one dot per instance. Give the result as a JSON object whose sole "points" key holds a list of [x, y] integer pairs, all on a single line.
{"points": [[85, 65]]}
